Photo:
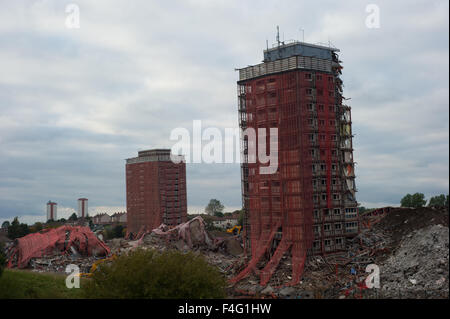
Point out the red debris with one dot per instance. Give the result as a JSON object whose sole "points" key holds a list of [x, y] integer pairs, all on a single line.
{"points": [[56, 240]]}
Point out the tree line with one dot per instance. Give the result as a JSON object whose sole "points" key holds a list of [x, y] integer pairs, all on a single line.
{"points": [[417, 200]]}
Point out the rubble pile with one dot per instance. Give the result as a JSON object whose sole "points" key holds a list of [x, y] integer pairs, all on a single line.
{"points": [[420, 265], [410, 247], [59, 245], [405, 243]]}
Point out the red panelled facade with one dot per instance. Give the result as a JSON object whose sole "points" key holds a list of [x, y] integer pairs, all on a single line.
{"points": [[302, 207], [156, 191]]}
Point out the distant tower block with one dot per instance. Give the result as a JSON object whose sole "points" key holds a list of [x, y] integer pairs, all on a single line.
{"points": [[156, 190], [82, 207], [51, 211]]}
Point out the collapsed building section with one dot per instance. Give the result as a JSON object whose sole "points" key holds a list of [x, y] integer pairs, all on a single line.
{"points": [[308, 206], [156, 190], [61, 240]]}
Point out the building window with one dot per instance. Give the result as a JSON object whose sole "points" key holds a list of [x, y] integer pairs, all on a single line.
{"points": [[308, 76], [319, 77], [327, 242], [316, 213], [326, 227]]}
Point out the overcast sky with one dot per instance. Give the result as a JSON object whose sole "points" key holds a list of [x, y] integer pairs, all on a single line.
{"points": [[76, 102]]}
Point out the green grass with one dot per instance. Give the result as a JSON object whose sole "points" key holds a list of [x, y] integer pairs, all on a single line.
{"points": [[21, 284]]}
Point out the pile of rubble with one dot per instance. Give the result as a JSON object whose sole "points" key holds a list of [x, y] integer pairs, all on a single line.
{"points": [[419, 268], [52, 249], [410, 247], [222, 252]]}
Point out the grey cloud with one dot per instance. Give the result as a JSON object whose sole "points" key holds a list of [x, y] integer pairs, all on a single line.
{"points": [[75, 103]]}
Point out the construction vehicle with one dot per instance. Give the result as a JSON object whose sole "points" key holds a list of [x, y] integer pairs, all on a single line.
{"points": [[95, 266], [235, 230]]}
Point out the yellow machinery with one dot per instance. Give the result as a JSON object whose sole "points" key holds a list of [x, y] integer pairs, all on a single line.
{"points": [[96, 264], [236, 230]]}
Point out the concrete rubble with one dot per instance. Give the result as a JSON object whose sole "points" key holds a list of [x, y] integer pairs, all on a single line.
{"points": [[410, 246]]}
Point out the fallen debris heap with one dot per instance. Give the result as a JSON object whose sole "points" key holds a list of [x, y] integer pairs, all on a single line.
{"points": [[74, 240]]}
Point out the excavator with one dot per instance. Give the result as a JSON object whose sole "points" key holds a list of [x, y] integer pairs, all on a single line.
{"points": [[235, 230], [96, 264]]}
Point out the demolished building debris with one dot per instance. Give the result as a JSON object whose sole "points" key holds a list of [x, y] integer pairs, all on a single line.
{"points": [[410, 247], [75, 240]]}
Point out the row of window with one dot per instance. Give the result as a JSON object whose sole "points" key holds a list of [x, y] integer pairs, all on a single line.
{"points": [[323, 182], [314, 122], [319, 92], [327, 227], [309, 76], [326, 212], [336, 196], [323, 167], [328, 242], [323, 152], [313, 137]]}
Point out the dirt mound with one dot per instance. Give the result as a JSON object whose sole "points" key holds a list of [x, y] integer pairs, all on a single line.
{"points": [[399, 222], [419, 267]]}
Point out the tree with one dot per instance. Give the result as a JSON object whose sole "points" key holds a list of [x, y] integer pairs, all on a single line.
{"points": [[17, 230], [73, 217], [415, 201], [241, 218], [218, 214], [214, 206], [152, 274], [36, 227], [6, 224], [440, 201], [114, 232]]}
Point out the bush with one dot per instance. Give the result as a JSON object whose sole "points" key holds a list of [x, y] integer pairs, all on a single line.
{"points": [[151, 274]]}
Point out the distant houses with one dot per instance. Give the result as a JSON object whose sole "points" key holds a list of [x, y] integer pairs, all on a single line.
{"points": [[227, 221], [105, 219]]}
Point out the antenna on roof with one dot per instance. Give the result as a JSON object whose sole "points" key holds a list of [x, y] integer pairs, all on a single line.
{"points": [[303, 34], [278, 35]]}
